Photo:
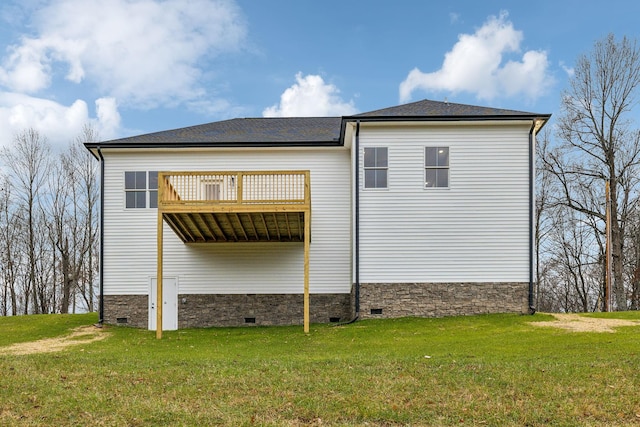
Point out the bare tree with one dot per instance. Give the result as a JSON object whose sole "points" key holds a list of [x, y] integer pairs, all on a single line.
{"points": [[598, 143], [86, 196], [61, 227], [577, 252], [74, 228], [45, 293], [545, 196], [48, 226], [28, 162], [91, 188], [633, 260], [10, 249]]}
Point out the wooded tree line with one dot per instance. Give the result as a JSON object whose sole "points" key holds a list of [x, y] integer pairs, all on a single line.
{"points": [[49, 237], [593, 143], [49, 215]]}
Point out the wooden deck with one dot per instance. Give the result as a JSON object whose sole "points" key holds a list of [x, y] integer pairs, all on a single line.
{"points": [[210, 207], [221, 207]]}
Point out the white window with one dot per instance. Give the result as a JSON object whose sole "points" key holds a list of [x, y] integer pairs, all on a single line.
{"points": [[376, 167], [153, 189], [436, 167], [141, 189], [211, 189]]}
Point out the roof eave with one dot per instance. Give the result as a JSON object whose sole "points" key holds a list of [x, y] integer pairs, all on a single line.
{"points": [[541, 119], [444, 118], [208, 144]]}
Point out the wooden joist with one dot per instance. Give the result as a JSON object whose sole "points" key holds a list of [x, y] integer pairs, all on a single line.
{"points": [[211, 227]]}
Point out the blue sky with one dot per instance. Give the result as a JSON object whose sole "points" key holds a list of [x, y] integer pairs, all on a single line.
{"points": [[138, 66]]}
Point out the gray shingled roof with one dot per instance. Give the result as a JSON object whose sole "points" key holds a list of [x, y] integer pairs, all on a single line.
{"points": [[427, 108], [249, 131], [304, 131]]}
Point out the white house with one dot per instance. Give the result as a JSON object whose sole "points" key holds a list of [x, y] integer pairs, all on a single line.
{"points": [[423, 209]]}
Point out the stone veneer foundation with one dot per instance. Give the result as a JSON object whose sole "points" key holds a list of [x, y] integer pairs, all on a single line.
{"points": [[377, 300], [260, 309], [233, 310], [388, 300], [131, 310]]}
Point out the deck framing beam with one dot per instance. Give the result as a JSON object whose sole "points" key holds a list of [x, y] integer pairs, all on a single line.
{"points": [[266, 228], [209, 228], [275, 221], [217, 224], [196, 228], [241, 225]]}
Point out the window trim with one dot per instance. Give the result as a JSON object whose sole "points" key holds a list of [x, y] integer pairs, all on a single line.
{"points": [[211, 189], [148, 190], [436, 167], [152, 190], [366, 168]]}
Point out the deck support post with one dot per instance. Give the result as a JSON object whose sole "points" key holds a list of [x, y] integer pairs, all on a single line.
{"points": [[159, 279], [307, 241]]}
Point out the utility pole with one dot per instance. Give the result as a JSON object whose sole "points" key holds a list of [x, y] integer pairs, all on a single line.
{"points": [[607, 286]]}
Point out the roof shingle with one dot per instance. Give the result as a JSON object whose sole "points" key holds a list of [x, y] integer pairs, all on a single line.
{"points": [[248, 131], [428, 108], [302, 131]]}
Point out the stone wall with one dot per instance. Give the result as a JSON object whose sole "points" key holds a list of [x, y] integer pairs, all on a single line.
{"points": [[128, 310], [233, 310], [377, 300], [260, 309], [388, 300]]}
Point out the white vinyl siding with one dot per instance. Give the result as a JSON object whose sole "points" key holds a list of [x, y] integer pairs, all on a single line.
{"points": [[130, 234], [476, 230]]}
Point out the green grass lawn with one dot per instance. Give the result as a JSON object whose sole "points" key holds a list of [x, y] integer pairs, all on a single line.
{"points": [[494, 370]]}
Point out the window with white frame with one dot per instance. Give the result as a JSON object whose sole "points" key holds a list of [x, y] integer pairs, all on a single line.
{"points": [[141, 189], [436, 167], [211, 189], [153, 189], [376, 167]]}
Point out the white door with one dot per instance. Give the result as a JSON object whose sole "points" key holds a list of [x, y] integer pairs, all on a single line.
{"points": [[169, 306]]}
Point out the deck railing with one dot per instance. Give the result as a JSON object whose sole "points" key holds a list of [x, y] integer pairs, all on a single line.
{"points": [[243, 188]]}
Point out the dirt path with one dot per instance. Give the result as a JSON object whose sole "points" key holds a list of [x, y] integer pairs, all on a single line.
{"points": [[576, 323], [81, 335]]}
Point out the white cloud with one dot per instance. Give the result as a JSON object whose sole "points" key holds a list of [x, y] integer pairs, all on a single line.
{"points": [[310, 96], [26, 70], [107, 122], [569, 70], [476, 64], [133, 53], [59, 123], [143, 52]]}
